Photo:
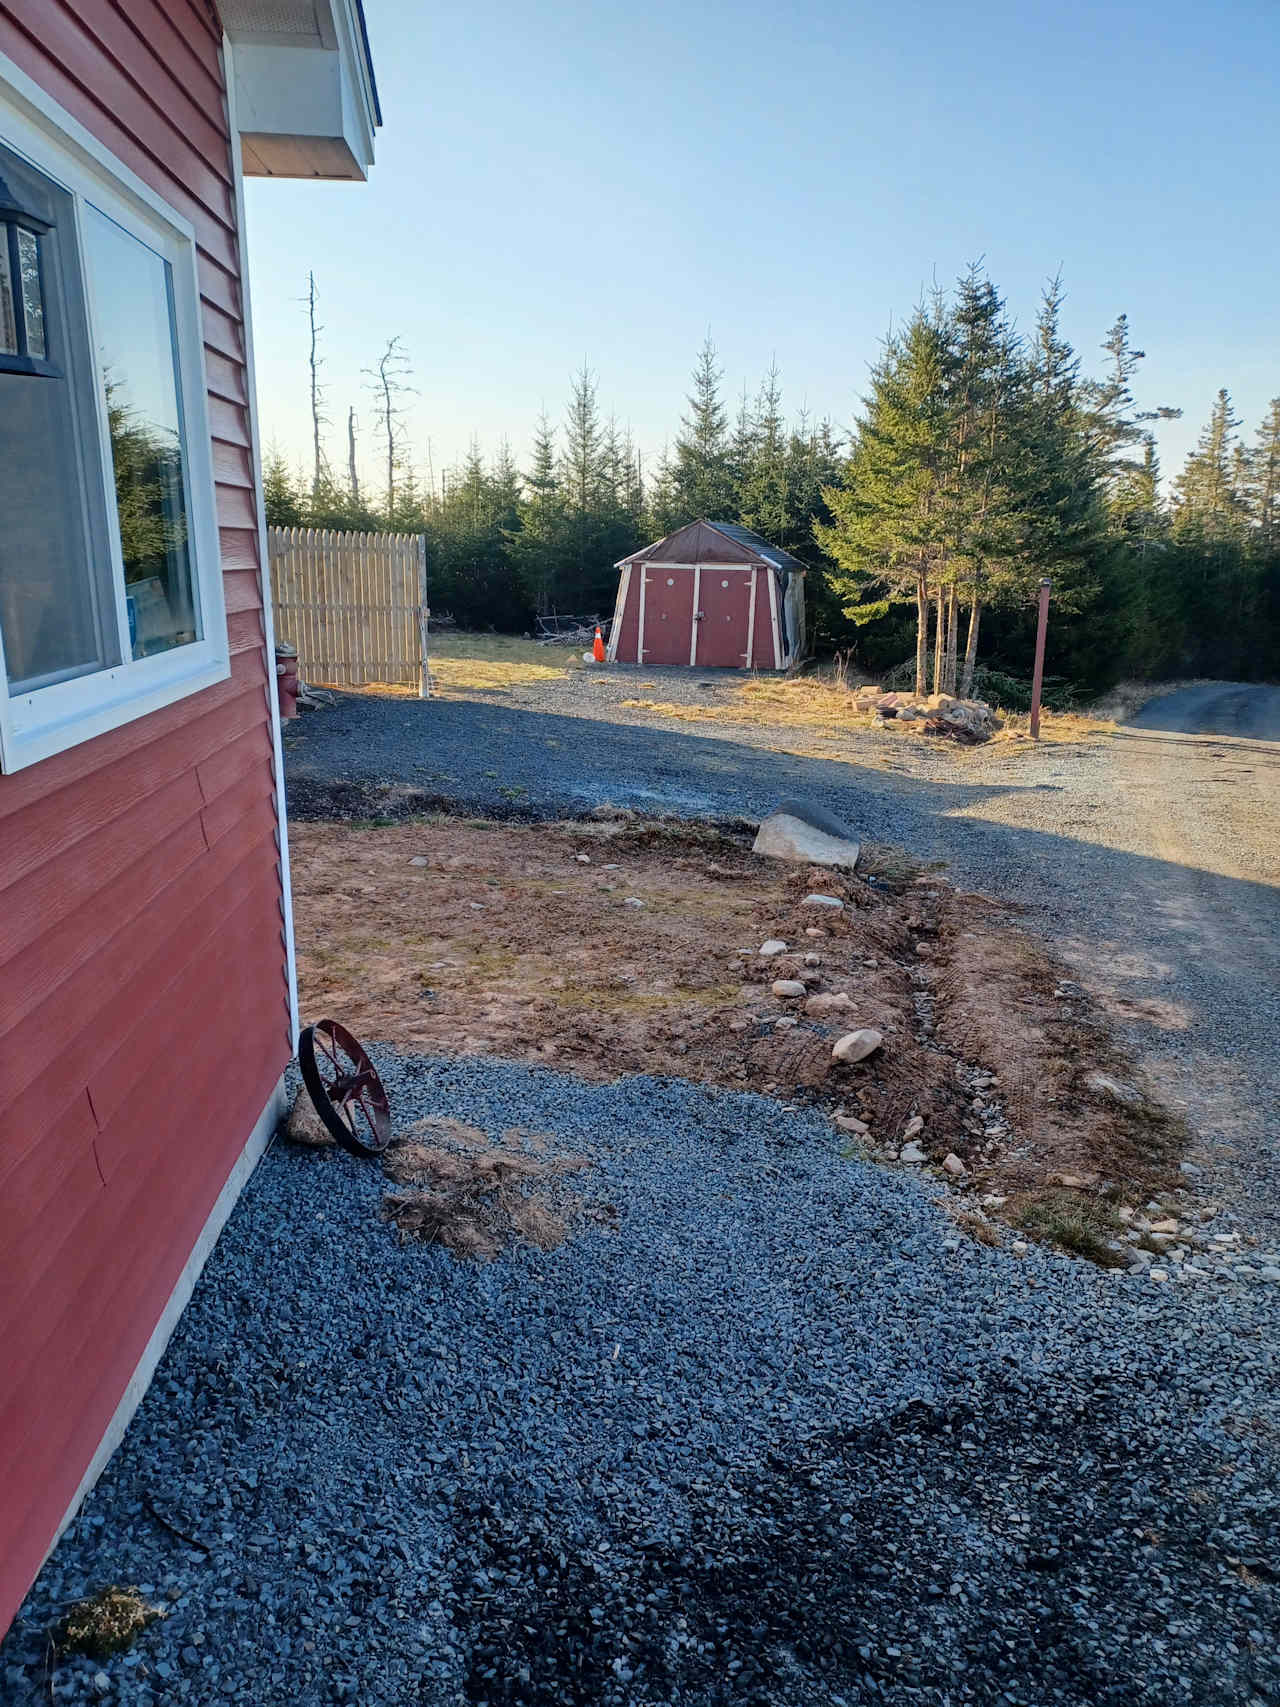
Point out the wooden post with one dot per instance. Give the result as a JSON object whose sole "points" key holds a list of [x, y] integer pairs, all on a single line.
{"points": [[1037, 677], [424, 671]]}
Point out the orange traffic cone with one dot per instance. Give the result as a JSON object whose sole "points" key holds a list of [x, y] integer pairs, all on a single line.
{"points": [[597, 646]]}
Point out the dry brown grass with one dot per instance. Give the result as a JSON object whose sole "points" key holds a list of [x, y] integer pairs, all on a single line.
{"points": [[109, 1622], [478, 1202], [825, 707], [1055, 726], [490, 663]]}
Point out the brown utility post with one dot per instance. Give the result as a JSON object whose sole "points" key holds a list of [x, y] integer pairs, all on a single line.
{"points": [[1037, 676]]}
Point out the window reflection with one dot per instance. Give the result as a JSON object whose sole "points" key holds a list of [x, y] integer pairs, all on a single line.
{"points": [[134, 323]]}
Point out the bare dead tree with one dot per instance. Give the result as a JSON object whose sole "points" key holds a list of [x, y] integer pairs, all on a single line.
{"points": [[389, 382], [318, 417], [351, 455]]}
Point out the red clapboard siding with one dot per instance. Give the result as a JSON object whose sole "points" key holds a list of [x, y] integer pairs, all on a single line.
{"points": [[52, 827], [236, 507], [232, 465], [248, 677], [80, 1313], [77, 1027], [241, 590], [244, 632], [54, 1440], [143, 989]]}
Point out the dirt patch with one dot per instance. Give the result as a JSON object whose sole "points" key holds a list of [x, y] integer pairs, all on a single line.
{"points": [[476, 1198], [628, 946]]}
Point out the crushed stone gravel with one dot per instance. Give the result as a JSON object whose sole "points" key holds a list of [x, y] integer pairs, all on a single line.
{"points": [[781, 1438]]}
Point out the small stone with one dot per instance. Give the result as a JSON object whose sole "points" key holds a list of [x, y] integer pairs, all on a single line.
{"points": [[102, 1683], [1167, 1226], [1269, 1273], [856, 1045], [787, 987], [1019, 1247], [583, 859], [814, 930], [912, 1153], [419, 859], [633, 901], [611, 868], [813, 960], [924, 950], [1158, 1274], [828, 1002], [914, 1125], [850, 1123], [953, 1165], [871, 963], [832, 901], [771, 947], [1190, 1170]]}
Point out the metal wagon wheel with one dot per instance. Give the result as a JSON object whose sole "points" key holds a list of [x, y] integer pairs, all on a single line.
{"points": [[345, 1088]]}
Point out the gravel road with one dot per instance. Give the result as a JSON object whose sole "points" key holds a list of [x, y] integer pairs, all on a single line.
{"points": [[781, 1439], [1152, 858]]}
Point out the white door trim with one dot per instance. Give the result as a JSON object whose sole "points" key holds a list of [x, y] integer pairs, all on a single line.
{"points": [[773, 617], [693, 615]]}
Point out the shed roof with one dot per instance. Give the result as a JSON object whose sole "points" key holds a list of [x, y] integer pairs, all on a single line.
{"points": [[714, 542]]}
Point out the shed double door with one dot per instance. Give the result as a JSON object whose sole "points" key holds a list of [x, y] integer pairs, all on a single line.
{"points": [[723, 618], [668, 615]]}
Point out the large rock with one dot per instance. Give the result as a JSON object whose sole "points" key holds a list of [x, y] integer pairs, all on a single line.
{"points": [[800, 831], [856, 1046], [304, 1125]]}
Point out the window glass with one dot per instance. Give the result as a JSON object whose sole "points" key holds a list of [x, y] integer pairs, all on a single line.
{"points": [[32, 306], [137, 348], [8, 320], [53, 568]]}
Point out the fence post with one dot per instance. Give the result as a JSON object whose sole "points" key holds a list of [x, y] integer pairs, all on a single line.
{"points": [[424, 670]]}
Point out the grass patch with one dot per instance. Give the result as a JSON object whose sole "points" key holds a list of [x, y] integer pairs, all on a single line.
{"points": [[493, 662], [1072, 1223], [109, 1622]]}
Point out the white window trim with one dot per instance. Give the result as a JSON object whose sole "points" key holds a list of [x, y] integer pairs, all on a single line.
{"points": [[36, 725]]}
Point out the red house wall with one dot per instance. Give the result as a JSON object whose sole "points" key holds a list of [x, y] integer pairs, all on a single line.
{"points": [[143, 988]]}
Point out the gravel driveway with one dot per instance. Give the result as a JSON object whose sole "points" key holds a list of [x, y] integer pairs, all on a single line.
{"points": [[1152, 859], [781, 1439]]}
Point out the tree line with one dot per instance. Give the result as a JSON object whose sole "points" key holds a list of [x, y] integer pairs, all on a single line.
{"points": [[982, 459]]}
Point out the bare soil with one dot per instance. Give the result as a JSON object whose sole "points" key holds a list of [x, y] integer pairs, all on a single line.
{"points": [[632, 946]]}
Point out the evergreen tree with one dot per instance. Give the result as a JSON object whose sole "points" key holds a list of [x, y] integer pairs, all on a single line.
{"points": [[281, 498], [703, 472], [888, 531], [536, 545]]}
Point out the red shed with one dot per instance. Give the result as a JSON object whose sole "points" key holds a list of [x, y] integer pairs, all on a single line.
{"points": [[147, 992], [712, 594]]}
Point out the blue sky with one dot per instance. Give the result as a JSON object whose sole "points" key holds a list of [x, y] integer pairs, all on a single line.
{"points": [[573, 181]]}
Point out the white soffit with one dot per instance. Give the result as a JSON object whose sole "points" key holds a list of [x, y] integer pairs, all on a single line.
{"points": [[305, 96]]}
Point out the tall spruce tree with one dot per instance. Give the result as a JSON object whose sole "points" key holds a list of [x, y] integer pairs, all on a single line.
{"points": [[887, 536], [702, 474]]}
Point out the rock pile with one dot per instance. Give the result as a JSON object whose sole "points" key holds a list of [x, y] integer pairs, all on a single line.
{"points": [[964, 720]]}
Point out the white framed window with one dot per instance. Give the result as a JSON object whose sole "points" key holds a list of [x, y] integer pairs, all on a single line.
{"points": [[111, 600]]}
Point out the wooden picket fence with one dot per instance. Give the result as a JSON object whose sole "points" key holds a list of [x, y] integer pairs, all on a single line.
{"points": [[354, 604]]}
